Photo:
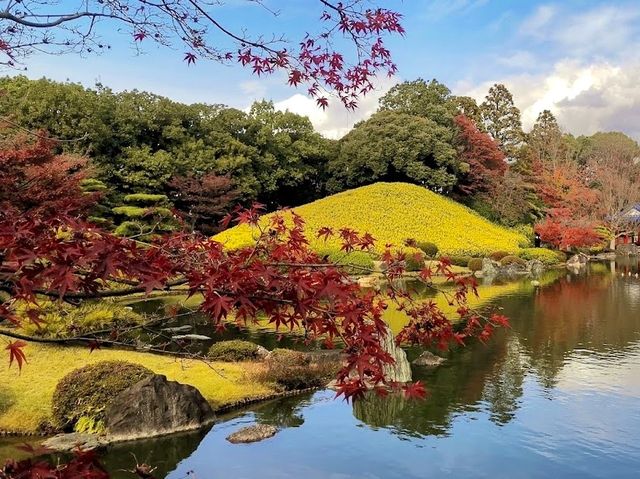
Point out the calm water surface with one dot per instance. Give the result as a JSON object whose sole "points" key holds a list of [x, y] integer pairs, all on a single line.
{"points": [[558, 395]]}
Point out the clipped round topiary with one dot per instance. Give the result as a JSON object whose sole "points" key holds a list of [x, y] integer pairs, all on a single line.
{"points": [[460, 260], [412, 263], [233, 350], [82, 396], [428, 248], [509, 260], [475, 264], [294, 370], [498, 255]]}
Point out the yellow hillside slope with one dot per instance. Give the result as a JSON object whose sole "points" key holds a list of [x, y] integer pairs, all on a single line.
{"points": [[393, 212]]}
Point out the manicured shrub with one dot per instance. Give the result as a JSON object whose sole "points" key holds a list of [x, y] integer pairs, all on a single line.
{"points": [[146, 199], [498, 255], [356, 262], [475, 264], [460, 260], [512, 260], [82, 396], [234, 350], [414, 262], [292, 370], [129, 228], [547, 256], [430, 249]]}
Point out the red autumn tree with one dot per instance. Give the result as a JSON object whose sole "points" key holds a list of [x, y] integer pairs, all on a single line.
{"points": [[569, 204], [203, 201], [33, 178], [197, 28], [487, 162]]}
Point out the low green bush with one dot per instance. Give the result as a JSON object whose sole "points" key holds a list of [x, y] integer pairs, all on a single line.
{"points": [[460, 260], [512, 260], [414, 262], [91, 185], [82, 396], [547, 256], [475, 264], [356, 262], [233, 350], [146, 199], [130, 228], [498, 255], [292, 370], [430, 249], [140, 212]]}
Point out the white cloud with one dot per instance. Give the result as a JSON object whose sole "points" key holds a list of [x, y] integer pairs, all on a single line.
{"points": [[607, 29], [584, 97], [336, 121]]}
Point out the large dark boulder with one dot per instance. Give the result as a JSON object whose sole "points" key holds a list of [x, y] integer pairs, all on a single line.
{"points": [[155, 406]]}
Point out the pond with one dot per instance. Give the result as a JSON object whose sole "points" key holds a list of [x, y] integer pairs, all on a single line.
{"points": [[557, 395]]}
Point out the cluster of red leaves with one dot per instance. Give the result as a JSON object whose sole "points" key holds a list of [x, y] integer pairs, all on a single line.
{"points": [[483, 155], [83, 465], [570, 205], [58, 254], [322, 67]]}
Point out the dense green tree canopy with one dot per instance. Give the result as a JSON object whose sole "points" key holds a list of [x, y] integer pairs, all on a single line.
{"points": [[138, 141], [392, 146], [427, 99]]}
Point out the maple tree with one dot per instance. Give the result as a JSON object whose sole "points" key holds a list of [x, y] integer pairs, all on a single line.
{"points": [[203, 201], [569, 203], [58, 254], [487, 163], [196, 27]]}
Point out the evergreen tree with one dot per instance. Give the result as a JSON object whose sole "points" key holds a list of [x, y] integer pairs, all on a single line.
{"points": [[502, 121]]}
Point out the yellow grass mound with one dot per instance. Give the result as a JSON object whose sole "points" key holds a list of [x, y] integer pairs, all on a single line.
{"points": [[393, 212]]}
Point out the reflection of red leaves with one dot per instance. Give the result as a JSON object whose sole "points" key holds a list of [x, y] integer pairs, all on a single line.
{"points": [[415, 391], [16, 353]]}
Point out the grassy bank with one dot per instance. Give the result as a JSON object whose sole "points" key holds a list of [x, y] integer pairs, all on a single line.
{"points": [[25, 398]]}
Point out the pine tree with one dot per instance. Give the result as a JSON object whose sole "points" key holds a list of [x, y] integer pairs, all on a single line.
{"points": [[501, 119]]}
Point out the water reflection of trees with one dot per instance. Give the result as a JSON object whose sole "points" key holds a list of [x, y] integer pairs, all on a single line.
{"points": [[595, 313], [165, 453], [282, 413]]}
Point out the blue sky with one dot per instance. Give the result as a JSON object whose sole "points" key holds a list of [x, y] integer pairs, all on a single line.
{"points": [[581, 59]]}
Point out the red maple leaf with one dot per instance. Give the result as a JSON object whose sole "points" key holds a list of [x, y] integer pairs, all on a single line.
{"points": [[16, 353], [415, 390], [322, 102], [190, 58], [139, 36]]}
